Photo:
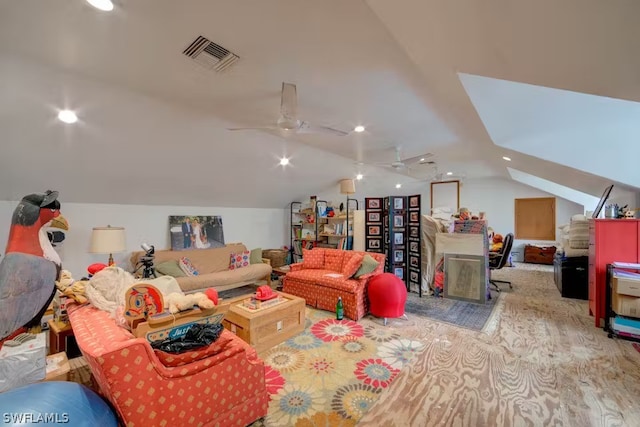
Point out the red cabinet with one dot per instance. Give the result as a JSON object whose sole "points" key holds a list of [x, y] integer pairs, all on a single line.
{"points": [[609, 240]]}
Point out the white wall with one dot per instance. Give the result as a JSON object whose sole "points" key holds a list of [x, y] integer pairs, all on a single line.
{"points": [[265, 228], [495, 196]]}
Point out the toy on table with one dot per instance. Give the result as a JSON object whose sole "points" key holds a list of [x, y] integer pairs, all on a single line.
{"points": [[152, 316], [265, 293]]}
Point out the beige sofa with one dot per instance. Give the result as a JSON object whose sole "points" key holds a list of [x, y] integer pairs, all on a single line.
{"points": [[213, 268]]}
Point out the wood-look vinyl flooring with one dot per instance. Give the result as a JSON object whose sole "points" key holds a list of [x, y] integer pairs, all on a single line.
{"points": [[539, 361]]}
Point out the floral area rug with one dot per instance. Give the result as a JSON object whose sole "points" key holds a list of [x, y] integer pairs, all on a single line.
{"points": [[333, 372]]}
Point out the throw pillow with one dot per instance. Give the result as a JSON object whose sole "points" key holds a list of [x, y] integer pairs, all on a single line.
{"points": [[351, 266], [173, 359], [256, 256], [170, 268], [186, 266], [312, 258], [239, 260], [369, 264]]}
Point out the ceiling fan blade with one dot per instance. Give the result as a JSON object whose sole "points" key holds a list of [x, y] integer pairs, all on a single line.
{"points": [[289, 102], [306, 127], [417, 159], [256, 128]]}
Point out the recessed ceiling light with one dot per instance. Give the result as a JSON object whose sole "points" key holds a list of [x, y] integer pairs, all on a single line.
{"points": [[358, 128], [422, 159], [398, 185], [284, 161], [105, 5], [449, 173], [67, 116], [508, 159], [359, 176]]}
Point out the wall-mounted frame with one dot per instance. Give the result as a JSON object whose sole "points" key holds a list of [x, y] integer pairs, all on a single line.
{"points": [[398, 255], [399, 272], [414, 216], [414, 247], [398, 221], [414, 201], [398, 203], [445, 194], [398, 238], [465, 277], [414, 232]]}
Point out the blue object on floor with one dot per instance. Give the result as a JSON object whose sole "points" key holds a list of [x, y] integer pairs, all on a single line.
{"points": [[55, 403]]}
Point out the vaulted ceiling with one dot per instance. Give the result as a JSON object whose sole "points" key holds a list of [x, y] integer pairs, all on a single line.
{"points": [[421, 75]]}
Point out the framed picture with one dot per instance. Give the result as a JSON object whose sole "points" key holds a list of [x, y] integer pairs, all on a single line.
{"points": [[414, 201], [464, 278], [398, 221], [414, 247], [373, 216], [414, 232], [399, 272], [398, 256], [414, 261], [414, 217], [413, 276], [195, 232], [373, 204], [398, 203], [398, 238], [373, 243], [445, 194], [374, 230]]}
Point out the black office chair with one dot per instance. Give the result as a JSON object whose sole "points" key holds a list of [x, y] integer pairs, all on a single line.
{"points": [[497, 260]]}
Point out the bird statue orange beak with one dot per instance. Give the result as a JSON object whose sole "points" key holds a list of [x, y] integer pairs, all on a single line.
{"points": [[60, 222]]}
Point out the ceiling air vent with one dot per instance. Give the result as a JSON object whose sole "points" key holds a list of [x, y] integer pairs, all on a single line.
{"points": [[210, 55]]}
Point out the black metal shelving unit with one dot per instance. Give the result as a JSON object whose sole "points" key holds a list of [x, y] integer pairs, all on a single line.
{"points": [[609, 312]]}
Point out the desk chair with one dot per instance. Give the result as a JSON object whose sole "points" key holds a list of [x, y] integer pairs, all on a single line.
{"points": [[497, 260]]}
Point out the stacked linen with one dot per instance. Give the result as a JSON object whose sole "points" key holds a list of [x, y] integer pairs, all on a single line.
{"points": [[579, 232]]}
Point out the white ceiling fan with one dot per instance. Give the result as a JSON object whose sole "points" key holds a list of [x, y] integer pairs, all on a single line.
{"points": [[289, 121], [400, 164]]}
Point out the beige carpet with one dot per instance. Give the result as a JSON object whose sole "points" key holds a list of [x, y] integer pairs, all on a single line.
{"points": [[539, 362]]}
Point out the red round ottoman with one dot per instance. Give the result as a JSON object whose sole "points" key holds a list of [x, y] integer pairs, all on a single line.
{"points": [[387, 296]]}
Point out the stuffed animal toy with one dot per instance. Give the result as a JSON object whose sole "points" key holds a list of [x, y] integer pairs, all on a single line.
{"points": [[497, 243], [465, 214], [212, 294], [178, 302]]}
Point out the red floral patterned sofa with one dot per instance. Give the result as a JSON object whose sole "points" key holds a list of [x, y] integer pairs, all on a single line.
{"points": [[325, 274], [224, 388]]}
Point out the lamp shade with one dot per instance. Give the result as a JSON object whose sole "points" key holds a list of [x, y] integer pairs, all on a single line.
{"points": [[347, 186], [107, 240]]}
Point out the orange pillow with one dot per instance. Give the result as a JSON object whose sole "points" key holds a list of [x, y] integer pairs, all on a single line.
{"points": [[312, 258], [350, 267], [173, 360]]}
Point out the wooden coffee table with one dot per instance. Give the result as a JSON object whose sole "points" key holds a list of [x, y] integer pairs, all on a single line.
{"points": [[263, 328]]}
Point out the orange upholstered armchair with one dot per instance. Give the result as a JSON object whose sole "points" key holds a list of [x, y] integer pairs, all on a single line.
{"points": [[225, 387]]}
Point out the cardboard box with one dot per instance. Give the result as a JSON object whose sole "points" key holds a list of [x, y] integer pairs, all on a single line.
{"points": [[626, 284], [625, 305], [24, 364], [58, 367]]}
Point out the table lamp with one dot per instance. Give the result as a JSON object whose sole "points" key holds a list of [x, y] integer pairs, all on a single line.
{"points": [[108, 240]]}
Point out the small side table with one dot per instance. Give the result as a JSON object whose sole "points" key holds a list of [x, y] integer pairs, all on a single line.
{"points": [[279, 272], [59, 336]]}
